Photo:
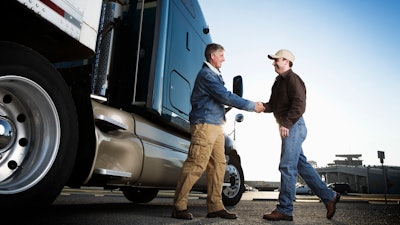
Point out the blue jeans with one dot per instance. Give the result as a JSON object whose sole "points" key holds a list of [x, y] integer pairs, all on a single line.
{"points": [[293, 162]]}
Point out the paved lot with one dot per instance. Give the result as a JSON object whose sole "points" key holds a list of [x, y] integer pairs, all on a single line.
{"points": [[96, 207], [353, 209]]}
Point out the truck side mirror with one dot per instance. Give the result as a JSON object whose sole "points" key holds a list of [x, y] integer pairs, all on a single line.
{"points": [[237, 88], [239, 117], [238, 85]]}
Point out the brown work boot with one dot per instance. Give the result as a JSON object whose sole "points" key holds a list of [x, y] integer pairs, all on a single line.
{"points": [[276, 216], [182, 214], [223, 214], [331, 206]]}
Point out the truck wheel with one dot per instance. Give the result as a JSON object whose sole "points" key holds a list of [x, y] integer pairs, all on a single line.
{"points": [[139, 195], [38, 128], [231, 195]]}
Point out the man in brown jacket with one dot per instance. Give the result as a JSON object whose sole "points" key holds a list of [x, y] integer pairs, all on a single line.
{"points": [[288, 104]]}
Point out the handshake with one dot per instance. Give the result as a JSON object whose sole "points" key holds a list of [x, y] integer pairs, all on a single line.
{"points": [[259, 107]]}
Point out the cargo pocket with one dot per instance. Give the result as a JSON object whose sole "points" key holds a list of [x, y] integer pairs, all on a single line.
{"points": [[198, 148]]}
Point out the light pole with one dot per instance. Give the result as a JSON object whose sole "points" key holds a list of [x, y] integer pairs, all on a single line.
{"points": [[381, 156]]}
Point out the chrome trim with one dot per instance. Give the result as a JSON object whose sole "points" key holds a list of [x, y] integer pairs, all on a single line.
{"points": [[112, 172]]}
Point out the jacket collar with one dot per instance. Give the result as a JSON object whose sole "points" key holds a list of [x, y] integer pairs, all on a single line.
{"points": [[286, 73], [215, 70]]}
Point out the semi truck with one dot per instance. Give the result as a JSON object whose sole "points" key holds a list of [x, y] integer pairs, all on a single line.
{"points": [[96, 93]]}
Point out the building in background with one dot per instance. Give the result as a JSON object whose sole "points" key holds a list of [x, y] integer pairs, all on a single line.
{"points": [[361, 178]]}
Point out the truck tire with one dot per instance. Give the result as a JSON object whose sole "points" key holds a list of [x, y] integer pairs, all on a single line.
{"points": [[231, 195], [139, 195], [38, 128]]}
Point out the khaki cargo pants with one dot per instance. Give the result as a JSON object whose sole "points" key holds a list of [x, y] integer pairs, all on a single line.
{"points": [[206, 153]]}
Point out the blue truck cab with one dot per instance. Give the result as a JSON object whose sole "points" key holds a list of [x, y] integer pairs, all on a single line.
{"points": [[157, 52]]}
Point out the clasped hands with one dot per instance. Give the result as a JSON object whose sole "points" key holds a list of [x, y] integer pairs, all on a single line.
{"points": [[259, 107]]}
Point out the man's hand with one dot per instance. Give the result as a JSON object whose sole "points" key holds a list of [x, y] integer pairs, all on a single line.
{"points": [[284, 132], [259, 107]]}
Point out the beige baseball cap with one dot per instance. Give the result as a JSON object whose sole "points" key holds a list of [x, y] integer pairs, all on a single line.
{"points": [[283, 53]]}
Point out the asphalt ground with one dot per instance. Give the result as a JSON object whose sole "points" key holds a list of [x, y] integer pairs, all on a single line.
{"points": [[88, 206]]}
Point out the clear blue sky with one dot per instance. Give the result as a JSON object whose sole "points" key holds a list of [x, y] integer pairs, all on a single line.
{"points": [[347, 52]]}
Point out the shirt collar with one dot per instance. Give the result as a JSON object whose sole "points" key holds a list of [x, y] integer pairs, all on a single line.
{"points": [[215, 70]]}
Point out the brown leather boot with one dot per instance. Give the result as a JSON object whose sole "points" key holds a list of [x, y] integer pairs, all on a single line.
{"points": [[223, 214], [331, 206], [182, 214], [276, 216]]}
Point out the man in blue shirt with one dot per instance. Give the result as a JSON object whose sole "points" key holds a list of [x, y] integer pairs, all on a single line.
{"points": [[206, 152]]}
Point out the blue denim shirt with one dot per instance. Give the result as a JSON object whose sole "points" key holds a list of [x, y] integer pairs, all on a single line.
{"points": [[209, 97]]}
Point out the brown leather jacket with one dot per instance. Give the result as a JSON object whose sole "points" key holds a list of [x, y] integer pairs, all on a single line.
{"points": [[288, 99]]}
